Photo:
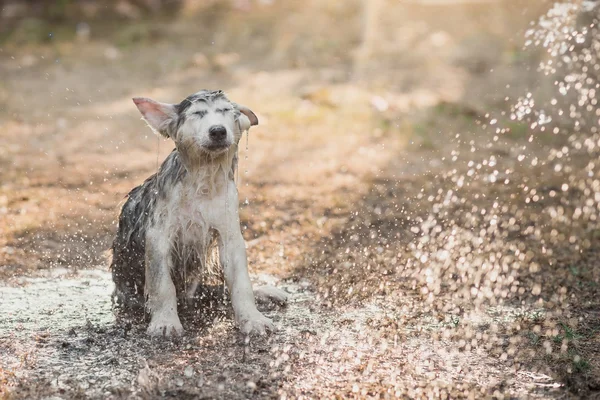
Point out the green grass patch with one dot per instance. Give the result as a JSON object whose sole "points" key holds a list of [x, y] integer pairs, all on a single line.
{"points": [[581, 366]]}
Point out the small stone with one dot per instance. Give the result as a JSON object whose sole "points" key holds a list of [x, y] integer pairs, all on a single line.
{"points": [[188, 372]]}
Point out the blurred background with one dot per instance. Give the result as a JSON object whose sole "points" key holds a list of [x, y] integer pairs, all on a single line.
{"points": [[423, 180]]}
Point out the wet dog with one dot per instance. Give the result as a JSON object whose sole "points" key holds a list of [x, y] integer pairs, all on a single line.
{"points": [[170, 225]]}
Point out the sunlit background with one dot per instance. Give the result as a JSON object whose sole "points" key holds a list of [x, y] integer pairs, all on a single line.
{"points": [[424, 181]]}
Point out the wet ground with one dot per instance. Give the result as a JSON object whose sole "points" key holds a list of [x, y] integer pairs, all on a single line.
{"points": [[79, 351], [433, 247], [63, 341]]}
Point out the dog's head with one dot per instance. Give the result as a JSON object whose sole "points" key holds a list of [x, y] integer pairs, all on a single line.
{"points": [[205, 123]]}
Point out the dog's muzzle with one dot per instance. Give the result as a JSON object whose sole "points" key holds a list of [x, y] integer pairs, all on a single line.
{"points": [[218, 139]]}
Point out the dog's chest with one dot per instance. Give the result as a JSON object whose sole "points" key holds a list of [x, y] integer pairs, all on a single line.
{"points": [[190, 215]]}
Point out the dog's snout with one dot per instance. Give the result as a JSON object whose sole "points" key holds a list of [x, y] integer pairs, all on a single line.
{"points": [[217, 132]]}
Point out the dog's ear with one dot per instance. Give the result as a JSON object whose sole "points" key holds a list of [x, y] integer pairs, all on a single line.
{"points": [[161, 117], [252, 118]]}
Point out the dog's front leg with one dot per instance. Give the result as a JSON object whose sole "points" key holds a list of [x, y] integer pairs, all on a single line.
{"points": [[160, 290], [232, 252]]}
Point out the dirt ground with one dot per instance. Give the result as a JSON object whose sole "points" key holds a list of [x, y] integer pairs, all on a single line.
{"points": [[418, 186]]}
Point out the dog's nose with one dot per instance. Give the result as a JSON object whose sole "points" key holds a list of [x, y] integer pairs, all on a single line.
{"points": [[217, 132]]}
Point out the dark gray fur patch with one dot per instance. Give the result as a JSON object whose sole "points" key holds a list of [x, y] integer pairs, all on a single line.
{"points": [[203, 95]]}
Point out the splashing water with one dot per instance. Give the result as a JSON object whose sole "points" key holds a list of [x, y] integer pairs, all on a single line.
{"points": [[486, 248]]}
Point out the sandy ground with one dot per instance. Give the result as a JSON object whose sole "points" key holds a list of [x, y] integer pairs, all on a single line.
{"points": [[367, 194]]}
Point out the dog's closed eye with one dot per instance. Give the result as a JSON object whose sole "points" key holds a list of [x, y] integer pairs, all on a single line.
{"points": [[201, 113], [223, 110]]}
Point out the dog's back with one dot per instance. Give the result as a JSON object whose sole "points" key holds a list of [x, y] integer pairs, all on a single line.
{"points": [[129, 246]]}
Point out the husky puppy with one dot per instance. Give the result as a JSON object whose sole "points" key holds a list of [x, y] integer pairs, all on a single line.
{"points": [[169, 225]]}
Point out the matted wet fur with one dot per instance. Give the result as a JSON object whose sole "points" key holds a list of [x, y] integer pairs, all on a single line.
{"points": [[129, 246], [171, 226]]}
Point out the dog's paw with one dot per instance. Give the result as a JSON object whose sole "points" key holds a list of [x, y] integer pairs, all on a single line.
{"points": [[256, 324], [268, 293], [165, 326]]}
